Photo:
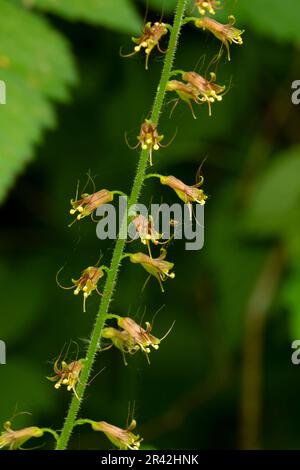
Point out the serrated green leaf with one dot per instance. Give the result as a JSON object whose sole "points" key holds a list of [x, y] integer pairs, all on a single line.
{"points": [[275, 204], [119, 15], [36, 67]]}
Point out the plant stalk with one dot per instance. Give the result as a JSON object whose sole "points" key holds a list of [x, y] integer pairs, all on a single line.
{"points": [[120, 244]]}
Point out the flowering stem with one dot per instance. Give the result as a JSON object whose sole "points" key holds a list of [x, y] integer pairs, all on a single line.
{"points": [[120, 244]]}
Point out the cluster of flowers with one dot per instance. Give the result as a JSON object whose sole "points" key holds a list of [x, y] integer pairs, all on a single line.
{"points": [[127, 335], [193, 88]]}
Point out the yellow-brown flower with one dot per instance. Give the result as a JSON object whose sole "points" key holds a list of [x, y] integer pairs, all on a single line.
{"points": [[188, 194], [67, 374], [149, 139], [87, 283], [139, 336], [208, 90], [207, 6], [157, 267], [88, 203], [197, 89], [121, 340], [226, 33], [132, 337], [14, 439], [152, 34], [123, 439], [145, 230], [186, 92]]}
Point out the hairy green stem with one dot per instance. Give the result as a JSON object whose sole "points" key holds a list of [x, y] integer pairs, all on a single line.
{"points": [[120, 244]]}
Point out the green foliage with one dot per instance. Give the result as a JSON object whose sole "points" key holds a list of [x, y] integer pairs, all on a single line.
{"points": [[272, 18], [23, 318], [32, 391], [275, 201], [275, 19], [165, 6], [228, 253], [291, 300], [119, 15], [36, 67]]}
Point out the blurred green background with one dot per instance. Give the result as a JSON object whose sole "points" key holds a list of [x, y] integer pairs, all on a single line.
{"points": [[223, 378]]}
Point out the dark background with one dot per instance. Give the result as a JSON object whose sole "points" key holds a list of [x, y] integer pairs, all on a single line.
{"points": [[223, 378]]}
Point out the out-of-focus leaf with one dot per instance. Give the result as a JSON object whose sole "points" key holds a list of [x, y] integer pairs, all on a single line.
{"points": [[36, 65], [21, 309], [275, 204], [119, 15], [275, 18], [235, 266], [32, 394], [291, 300], [167, 6], [164, 6]]}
